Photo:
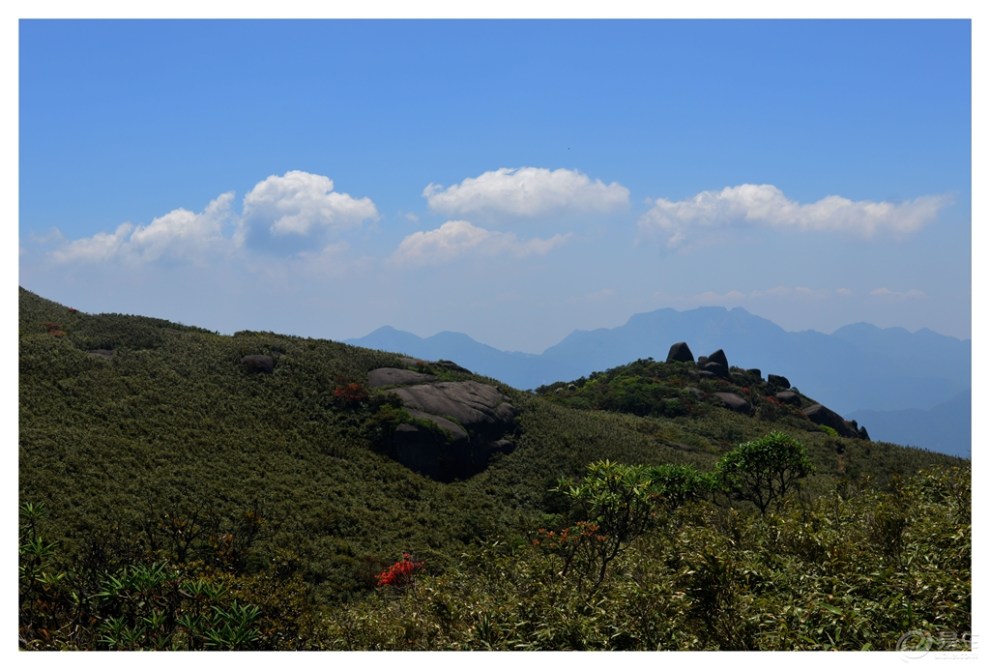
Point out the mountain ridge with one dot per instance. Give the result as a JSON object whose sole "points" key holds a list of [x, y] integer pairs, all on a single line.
{"points": [[857, 368]]}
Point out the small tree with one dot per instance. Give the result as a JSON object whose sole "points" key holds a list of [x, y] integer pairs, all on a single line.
{"points": [[617, 504], [763, 470]]}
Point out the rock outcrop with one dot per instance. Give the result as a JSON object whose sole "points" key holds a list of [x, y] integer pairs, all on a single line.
{"points": [[777, 388], [716, 364], [778, 382], [396, 377], [788, 398], [456, 427], [823, 416], [680, 352], [734, 402]]}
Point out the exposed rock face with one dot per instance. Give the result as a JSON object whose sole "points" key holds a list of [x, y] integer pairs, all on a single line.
{"points": [[716, 369], [823, 416], [258, 363], [734, 402], [680, 353], [789, 398], [720, 358], [471, 404], [457, 426], [778, 382], [396, 377], [716, 364]]}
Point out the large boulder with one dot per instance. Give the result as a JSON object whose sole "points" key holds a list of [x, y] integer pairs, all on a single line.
{"points": [[716, 369], [456, 427], [396, 377], [680, 352], [720, 358], [716, 365], [778, 382], [789, 398], [823, 416], [734, 402], [477, 407]]}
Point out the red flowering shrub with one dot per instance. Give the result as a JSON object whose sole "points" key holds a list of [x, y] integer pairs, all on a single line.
{"points": [[54, 329], [350, 395], [400, 573], [578, 544]]}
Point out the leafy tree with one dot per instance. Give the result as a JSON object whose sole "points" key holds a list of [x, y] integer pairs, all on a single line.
{"points": [[763, 470], [619, 501]]}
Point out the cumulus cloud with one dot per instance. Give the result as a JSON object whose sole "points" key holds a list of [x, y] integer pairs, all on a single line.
{"points": [[178, 235], [455, 239], [300, 203], [526, 192], [767, 206], [296, 214]]}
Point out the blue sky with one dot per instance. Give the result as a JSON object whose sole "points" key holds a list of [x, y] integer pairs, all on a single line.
{"points": [[513, 180]]}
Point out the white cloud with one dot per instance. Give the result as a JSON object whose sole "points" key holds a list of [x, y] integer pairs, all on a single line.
{"points": [[890, 295], [527, 192], [299, 203], [178, 235], [295, 214], [455, 239], [766, 205], [99, 247]]}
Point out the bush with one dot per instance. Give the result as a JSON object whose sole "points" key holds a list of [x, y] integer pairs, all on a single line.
{"points": [[764, 470]]}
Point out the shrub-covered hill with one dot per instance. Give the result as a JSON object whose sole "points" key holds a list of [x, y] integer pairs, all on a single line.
{"points": [[147, 445]]}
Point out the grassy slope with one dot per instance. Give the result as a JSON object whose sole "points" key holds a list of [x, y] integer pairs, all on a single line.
{"points": [[171, 424]]}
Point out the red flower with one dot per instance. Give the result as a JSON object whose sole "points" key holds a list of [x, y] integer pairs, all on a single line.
{"points": [[400, 573]]}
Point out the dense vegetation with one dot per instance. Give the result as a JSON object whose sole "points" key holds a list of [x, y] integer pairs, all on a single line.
{"points": [[171, 498]]}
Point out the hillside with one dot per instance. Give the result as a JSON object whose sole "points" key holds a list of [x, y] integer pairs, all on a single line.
{"points": [[858, 368], [270, 467]]}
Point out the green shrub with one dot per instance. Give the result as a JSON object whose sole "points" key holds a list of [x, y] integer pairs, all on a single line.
{"points": [[763, 471]]}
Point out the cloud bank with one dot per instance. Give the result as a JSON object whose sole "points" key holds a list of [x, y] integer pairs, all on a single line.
{"points": [[767, 206], [525, 193], [293, 214], [456, 239], [180, 235]]}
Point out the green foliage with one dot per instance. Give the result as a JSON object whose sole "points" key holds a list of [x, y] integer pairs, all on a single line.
{"points": [[763, 471], [678, 484], [617, 504], [814, 578], [643, 388], [171, 499]]}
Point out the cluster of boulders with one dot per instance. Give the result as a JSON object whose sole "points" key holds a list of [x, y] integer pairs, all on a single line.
{"points": [[716, 366], [457, 425]]}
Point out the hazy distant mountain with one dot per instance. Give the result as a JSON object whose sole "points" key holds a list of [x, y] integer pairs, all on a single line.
{"points": [[514, 368], [858, 368], [945, 428]]}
